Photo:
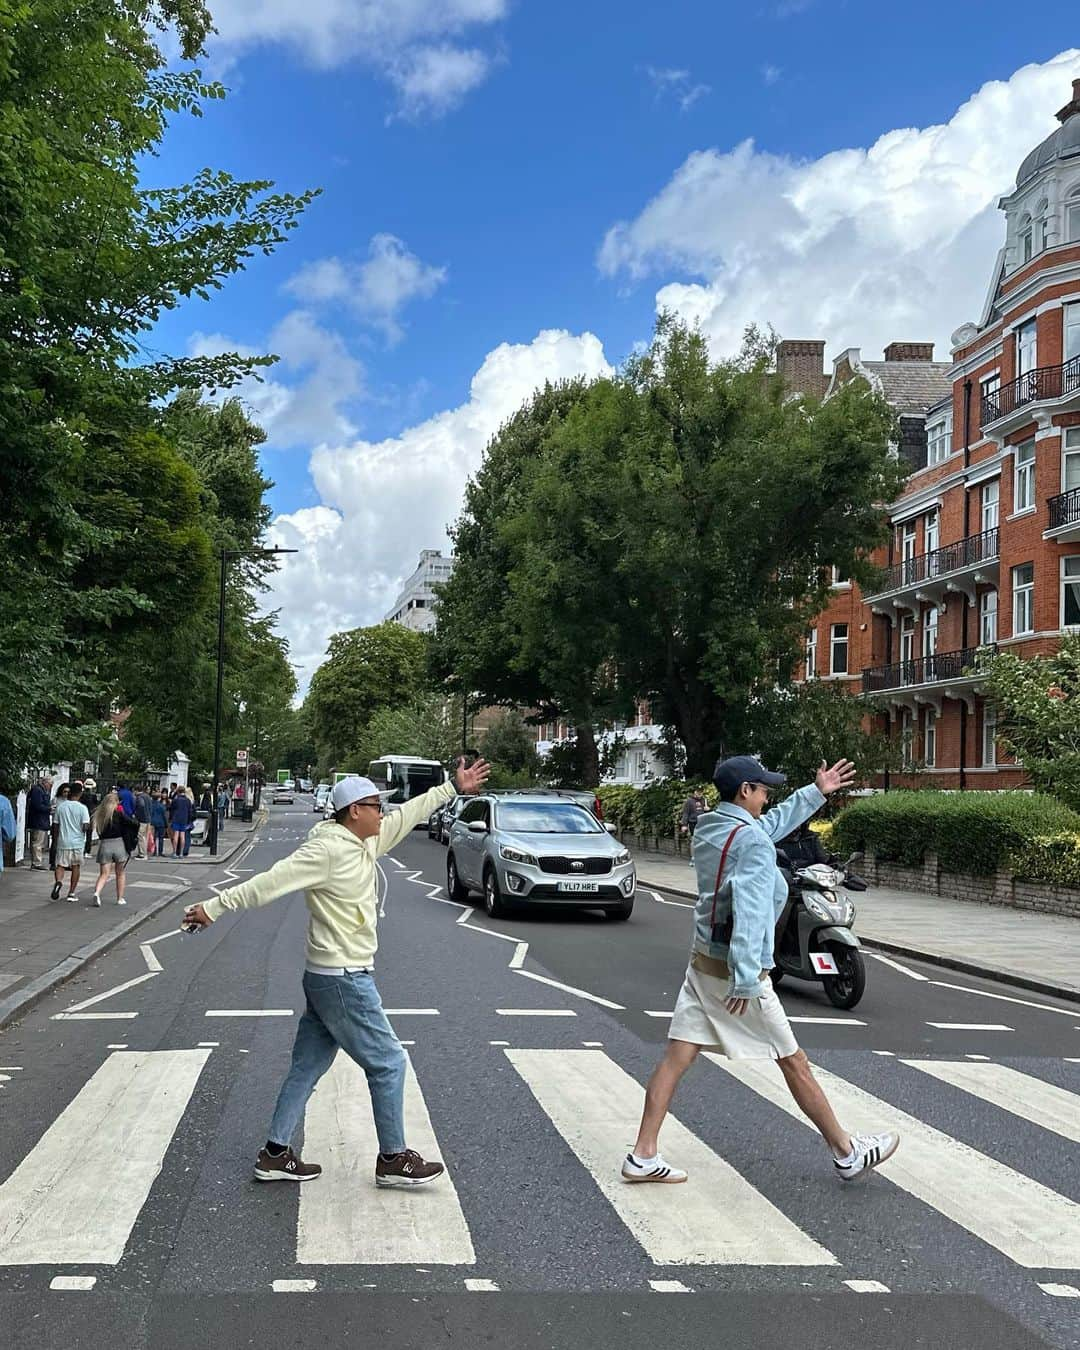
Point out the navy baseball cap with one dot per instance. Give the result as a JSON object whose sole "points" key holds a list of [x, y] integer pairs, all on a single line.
{"points": [[731, 773]]}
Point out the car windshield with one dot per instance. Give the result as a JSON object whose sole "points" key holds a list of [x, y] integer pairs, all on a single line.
{"points": [[545, 818]]}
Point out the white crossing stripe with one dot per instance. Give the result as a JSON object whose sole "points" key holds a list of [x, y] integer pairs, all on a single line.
{"points": [[72, 1282], [350, 1221], [716, 1219], [668, 1287], [481, 1286], [969, 1026], [1029, 1098], [248, 1012], [536, 1012], [867, 1286], [1060, 1290], [829, 1021], [74, 1198], [1026, 1221]]}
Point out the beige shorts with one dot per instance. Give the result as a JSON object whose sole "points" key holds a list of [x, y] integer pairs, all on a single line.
{"points": [[69, 857], [762, 1032]]}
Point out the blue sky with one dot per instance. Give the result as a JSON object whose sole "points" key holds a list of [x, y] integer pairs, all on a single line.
{"points": [[496, 170]]}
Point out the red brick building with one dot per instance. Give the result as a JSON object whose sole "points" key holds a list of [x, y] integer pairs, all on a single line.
{"points": [[984, 552]]}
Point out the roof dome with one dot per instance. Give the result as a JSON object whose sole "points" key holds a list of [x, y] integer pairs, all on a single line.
{"points": [[1064, 143]]}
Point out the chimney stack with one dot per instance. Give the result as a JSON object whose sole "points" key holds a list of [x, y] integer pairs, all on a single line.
{"points": [[909, 351], [801, 365], [1073, 105]]}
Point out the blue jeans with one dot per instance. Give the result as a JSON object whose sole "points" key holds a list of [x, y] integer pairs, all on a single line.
{"points": [[344, 1012], [159, 839]]}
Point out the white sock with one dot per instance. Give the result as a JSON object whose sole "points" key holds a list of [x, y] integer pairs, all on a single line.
{"points": [[848, 1160], [643, 1162]]}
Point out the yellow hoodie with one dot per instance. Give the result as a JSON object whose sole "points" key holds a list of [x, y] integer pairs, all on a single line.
{"points": [[336, 872]]}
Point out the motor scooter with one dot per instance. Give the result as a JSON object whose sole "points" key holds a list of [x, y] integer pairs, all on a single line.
{"points": [[813, 938]]}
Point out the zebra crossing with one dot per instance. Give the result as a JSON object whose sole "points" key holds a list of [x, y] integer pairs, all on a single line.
{"points": [[76, 1197]]}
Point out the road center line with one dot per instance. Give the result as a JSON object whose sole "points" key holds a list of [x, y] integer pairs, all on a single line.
{"points": [[569, 989], [678, 904], [1005, 998], [152, 963], [100, 998], [895, 965], [536, 1012], [248, 1012], [969, 1026]]}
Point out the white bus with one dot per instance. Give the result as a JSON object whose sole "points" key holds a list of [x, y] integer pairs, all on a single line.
{"points": [[401, 777]]}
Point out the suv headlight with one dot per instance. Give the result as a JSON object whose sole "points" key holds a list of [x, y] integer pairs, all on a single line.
{"points": [[622, 857], [516, 855]]}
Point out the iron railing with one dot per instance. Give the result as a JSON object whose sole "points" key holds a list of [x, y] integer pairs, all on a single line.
{"points": [[1034, 386], [928, 669], [969, 552], [1064, 509]]}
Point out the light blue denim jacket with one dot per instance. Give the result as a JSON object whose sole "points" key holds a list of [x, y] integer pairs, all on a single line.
{"points": [[752, 885]]}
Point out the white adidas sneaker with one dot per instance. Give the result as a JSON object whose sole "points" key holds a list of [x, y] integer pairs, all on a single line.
{"points": [[651, 1169], [870, 1151]]}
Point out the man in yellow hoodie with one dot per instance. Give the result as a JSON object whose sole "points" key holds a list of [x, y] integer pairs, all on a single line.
{"points": [[335, 868]]}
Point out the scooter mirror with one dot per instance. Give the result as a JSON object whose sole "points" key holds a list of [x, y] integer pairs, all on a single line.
{"points": [[855, 857]]}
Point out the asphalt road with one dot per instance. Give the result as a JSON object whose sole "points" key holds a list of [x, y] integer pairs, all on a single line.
{"points": [[126, 1145]]}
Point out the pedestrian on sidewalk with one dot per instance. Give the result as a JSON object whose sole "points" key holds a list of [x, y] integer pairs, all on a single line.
{"points": [[159, 821], [39, 821], [8, 827], [54, 826], [117, 837], [72, 819], [222, 805], [142, 815], [694, 806], [191, 819], [91, 802], [180, 814], [727, 1003], [335, 867], [127, 799]]}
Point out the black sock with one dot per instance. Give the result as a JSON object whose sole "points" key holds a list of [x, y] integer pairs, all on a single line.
{"points": [[275, 1150], [389, 1157]]}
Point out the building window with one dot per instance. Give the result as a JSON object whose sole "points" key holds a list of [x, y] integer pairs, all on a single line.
{"points": [[907, 648], [1024, 476], [930, 627], [1024, 240], [932, 538], [1070, 592], [989, 736], [989, 499], [1026, 347], [929, 737], [1072, 220], [1023, 588], [838, 645], [907, 739], [1072, 332], [939, 440], [988, 602], [838, 578], [1070, 460], [1042, 233], [811, 654]]}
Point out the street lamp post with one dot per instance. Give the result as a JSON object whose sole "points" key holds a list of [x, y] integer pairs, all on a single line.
{"points": [[226, 554]]}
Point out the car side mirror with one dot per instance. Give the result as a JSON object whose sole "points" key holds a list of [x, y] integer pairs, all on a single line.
{"points": [[610, 828], [477, 827]]}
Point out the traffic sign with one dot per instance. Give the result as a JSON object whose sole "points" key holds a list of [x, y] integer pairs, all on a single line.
{"points": [[241, 759]]}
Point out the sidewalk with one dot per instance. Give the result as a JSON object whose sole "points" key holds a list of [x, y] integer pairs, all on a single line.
{"points": [[1021, 947], [44, 942]]}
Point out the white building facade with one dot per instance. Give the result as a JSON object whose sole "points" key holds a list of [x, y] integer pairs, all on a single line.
{"points": [[414, 607], [640, 761]]}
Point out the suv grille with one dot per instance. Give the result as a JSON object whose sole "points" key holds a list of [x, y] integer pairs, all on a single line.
{"points": [[594, 867]]}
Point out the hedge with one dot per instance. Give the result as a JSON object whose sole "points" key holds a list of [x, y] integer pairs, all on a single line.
{"points": [[651, 811], [1052, 859], [971, 832]]}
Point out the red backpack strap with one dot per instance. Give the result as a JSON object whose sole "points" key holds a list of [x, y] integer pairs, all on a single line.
{"points": [[720, 870]]}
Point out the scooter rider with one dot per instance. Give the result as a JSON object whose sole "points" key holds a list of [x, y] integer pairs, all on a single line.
{"points": [[727, 1003]]}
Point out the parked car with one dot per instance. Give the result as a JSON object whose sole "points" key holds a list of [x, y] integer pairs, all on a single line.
{"points": [[283, 793], [305, 785], [443, 817], [322, 796], [535, 847]]}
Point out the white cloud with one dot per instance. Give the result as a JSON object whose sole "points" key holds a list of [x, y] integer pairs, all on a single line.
{"points": [[382, 502], [771, 74], [410, 43], [861, 246], [678, 83], [309, 410], [376, 289]]}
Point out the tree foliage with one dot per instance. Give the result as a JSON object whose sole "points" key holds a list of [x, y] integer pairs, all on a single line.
{"points": [[509, 744], [428, 725]]}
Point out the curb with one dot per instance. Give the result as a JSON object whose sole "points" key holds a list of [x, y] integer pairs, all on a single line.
{"points": [[22, 1001], [216, 859], [931, 958]]}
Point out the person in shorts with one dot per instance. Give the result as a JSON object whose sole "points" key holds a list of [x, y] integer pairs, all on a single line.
{"points": [[73, 820], [118, 835], [727, 1003]]}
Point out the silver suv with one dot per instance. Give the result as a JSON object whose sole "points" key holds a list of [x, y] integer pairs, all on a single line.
{"points": [[536, 849]]}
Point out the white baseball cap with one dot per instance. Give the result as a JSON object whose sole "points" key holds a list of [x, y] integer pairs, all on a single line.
{"points": [[352, 789]]}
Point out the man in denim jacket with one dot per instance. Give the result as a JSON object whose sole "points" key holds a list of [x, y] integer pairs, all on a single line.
{"points": [[746, 1014]]}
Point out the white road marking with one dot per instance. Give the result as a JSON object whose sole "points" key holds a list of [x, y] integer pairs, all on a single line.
{"points": [[1072, 1061], [1004, 998], [970, 1026], [411, 1012], [406, 1042], [498, 1042], [716, 1219], [1029, 1098], [679, 904], [150, 885], [352, 1222], [5, 1078], [152, 963], [593, 1045], [481, 1286], [100, 998], [536, 1012], [521, 951], [668, 1287], [654, 1012], [829, 1021], [248, 1012], [464, 916], [1026, 1221], [11, 1068], [891, 1053], [209, 1045], [294, 1286], [119, 1045], [93, 1016], [72, 1282], [983, 1057], [1060, 1290], [54, 1208], [895, 965], [569, 989], [867, 1286]]}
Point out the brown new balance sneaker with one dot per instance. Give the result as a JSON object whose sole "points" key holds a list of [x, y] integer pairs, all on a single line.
{"points": [[285, 1167], [406, 1169]]}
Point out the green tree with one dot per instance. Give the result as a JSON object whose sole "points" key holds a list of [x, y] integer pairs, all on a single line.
{"points": [[510, 745], [366, 670], [1037, 700], [429, 725]]}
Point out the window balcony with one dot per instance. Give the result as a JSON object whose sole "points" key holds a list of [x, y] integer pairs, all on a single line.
{"points": [[943, 668], [929, 575], [1064, 517], [1013, 405]]}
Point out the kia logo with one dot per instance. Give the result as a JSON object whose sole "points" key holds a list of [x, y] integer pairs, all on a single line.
{"points": [[577, 866]]}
